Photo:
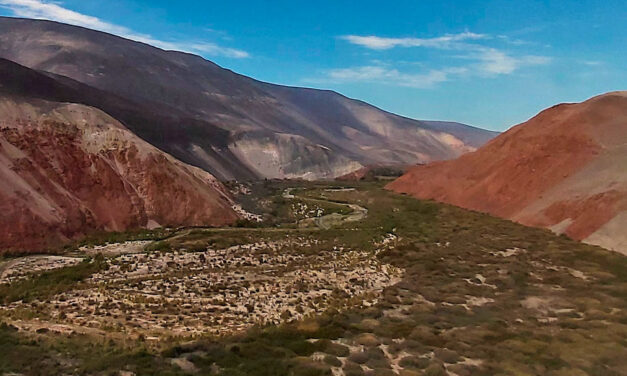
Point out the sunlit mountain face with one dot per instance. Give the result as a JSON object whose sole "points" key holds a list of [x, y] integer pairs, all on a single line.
{"points": [[226, 123]]}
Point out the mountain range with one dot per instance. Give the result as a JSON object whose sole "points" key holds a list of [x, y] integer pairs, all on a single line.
{"points": [[99, 131], [565, 169], [228, 124]]}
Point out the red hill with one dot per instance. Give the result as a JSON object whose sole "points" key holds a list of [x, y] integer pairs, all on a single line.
{"points": [[564, 169], [68, 169]]}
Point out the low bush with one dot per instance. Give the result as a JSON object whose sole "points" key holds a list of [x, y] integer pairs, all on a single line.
{"points": [[47, 284]]}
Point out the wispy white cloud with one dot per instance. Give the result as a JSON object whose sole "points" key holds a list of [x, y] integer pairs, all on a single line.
{"points": [[514, 41], [54, 11], [483, 61], [210, 49], [389, 76], [381, 43], [495, 62], [592, 63]]}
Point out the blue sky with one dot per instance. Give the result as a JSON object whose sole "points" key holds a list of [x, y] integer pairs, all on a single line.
{"points": [[491, 64]]}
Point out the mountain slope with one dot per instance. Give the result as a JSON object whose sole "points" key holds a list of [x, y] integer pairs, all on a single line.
{"points": [[158, 123], [473, 136], [565, 169], [272, 130], [67, 170]]}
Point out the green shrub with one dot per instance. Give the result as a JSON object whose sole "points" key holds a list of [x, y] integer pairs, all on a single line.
{"points": [[335, 349], [414, 362], [332, 361], [158, 246], [49, 283], [446, 355], [360, 357], [435, 369]]}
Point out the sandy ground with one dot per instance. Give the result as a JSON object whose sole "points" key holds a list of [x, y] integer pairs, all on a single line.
{"points": [[117, 248]]}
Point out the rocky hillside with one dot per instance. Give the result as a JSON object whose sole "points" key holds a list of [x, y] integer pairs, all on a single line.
{"points": [[67, 170], [226, 123], [564, 169]]}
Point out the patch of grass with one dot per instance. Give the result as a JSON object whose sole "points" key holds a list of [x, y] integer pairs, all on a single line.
{"points": [[44, 355], [101, 238], [47, 284]]}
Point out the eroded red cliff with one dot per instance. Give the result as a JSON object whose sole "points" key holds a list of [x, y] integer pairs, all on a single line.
{"points": [[67, 170]]}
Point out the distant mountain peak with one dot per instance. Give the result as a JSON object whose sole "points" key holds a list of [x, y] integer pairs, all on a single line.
{"points": [[200, 112]]}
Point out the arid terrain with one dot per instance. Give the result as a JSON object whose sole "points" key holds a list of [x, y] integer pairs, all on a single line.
{"points": [[564, 169], [164, 215], [69, 170], [335, 280], [188, 294]]}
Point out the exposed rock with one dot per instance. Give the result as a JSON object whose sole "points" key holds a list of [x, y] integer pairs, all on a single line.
{"points": [[564, 169], [67, 170]]}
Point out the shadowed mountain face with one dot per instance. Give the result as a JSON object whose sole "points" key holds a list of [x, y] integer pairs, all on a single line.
{"points": [[67, 170], [226, 123], [565, 169]]}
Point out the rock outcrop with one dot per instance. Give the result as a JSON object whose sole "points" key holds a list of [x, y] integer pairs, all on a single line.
{"points": [[67, 170]]}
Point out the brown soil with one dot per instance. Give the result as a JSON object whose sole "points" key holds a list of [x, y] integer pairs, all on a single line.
{"points": [[563, 164]]}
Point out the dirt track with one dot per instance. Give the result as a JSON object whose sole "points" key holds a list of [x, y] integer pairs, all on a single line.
{"points": [[330, 220]]}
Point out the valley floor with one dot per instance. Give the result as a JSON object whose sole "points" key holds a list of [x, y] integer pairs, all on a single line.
{"points": [[337, 280]]}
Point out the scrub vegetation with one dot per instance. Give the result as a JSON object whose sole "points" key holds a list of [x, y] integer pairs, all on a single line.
{"points": [[477, 296]]}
